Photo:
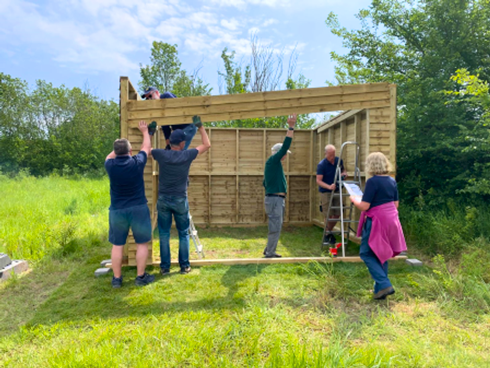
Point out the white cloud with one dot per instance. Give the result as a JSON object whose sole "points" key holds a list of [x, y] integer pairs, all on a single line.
{"points": [[269, 22], [94, 36], [231, 24]]}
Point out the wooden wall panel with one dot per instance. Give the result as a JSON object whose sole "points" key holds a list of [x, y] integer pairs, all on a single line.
{"points": [[251, 199], [223, 199], [299, 160], [223, 152], [198, 195], [251, 152], [299, 199]]}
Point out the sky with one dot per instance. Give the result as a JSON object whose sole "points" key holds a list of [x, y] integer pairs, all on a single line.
{"points": [[91, 43]]}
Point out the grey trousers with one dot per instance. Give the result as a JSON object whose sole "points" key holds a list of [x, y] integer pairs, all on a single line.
{"points": [[274, 207]]}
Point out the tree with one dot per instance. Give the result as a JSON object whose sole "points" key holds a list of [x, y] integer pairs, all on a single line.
{"points": [[54, 129], [235, 80], [419, 45], [165, 73]]}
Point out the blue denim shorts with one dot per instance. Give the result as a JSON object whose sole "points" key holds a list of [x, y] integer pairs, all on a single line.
{"points": [[137, 218]]}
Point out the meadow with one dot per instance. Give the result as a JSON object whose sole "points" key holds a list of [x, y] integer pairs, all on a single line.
{"points": [[313, 315]]}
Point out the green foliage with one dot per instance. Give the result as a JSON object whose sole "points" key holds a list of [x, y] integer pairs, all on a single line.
{"points": [[239, 81], [474, 94], [54, 129], [236, 81], [166, 74], [419, 46], [449, 231]]}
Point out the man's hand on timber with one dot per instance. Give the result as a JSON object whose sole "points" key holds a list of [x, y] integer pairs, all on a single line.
{"points": [[143, 127]]}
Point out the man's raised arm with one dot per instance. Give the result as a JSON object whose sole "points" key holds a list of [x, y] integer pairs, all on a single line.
{"points": [[205, 143], [146, 145]]}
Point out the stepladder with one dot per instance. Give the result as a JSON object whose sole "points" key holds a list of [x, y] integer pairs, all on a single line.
{"points": [[348, 224], [195, 238]]}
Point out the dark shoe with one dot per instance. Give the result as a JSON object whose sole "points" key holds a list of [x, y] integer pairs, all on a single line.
{"points": [[185, 270], [382, 294], [164, 272], [116, 282], [144, 280], [274, 255]]}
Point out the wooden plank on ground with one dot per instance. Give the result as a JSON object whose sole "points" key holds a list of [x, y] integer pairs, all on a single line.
{"points": [[283, 260]]}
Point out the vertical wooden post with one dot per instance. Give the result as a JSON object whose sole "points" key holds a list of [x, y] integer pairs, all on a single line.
{"points": [[310, 170], [209, 177], [289, 188], [330, 138], [367, 148], [393, 126], [237, 204], [264, 141], [124, 90]]}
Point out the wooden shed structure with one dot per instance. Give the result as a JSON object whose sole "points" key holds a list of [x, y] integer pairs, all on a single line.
{"points": [[226, 182]]}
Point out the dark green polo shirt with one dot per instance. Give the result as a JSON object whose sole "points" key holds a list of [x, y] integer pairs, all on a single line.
{"points": [[274, 178]]}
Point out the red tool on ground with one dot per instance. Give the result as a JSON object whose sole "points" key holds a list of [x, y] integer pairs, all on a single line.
{"points": [[333, 251]]}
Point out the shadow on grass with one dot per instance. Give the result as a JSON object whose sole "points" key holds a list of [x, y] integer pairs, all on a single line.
{"points": [[66, 290]]}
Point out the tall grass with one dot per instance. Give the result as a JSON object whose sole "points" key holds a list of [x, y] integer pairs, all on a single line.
{"points": [[51, 215], [448, 231]]}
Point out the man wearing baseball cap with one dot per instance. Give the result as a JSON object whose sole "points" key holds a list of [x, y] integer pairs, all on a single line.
{"points": [[275, 189], [172, 194], [152, 93]]}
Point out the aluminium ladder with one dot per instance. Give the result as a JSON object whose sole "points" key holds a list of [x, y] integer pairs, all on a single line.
{"points": [[340, 191]]}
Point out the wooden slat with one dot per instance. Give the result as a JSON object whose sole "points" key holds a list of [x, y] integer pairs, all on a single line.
{"points": [[337, 119], [123, 109], [253, 106], [225, 115], [261, 96], [393, 126]]}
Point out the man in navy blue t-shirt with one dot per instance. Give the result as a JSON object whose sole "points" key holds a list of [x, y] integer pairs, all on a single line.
{"points": [[129, 207], [174, 167], [190, 130], [325, 176]]}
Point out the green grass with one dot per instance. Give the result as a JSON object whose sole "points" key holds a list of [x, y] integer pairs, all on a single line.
{"points": [[313, 315]]}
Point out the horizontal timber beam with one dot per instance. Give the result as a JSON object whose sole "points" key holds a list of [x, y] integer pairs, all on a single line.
{"points": [[261, 96], [225, 115]]}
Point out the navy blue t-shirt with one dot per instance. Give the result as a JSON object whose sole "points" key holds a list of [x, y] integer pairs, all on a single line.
{"points": [[126, 178], [380, 190], [174, 170], [327, 169]]}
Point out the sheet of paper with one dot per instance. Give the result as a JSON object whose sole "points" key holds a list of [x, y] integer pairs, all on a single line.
{"points": [[354, 190]]}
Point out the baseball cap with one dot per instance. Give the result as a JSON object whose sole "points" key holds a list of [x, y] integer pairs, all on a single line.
{"points": [[148, 91], [177, 136], [275, 148]]}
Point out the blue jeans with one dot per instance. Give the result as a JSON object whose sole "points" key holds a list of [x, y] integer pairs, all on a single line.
{"points": [[378, 271], [179, 208], [190, 131]]}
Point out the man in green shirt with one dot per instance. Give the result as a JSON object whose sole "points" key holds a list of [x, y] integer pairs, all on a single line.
{"points": [[276, 188]]}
